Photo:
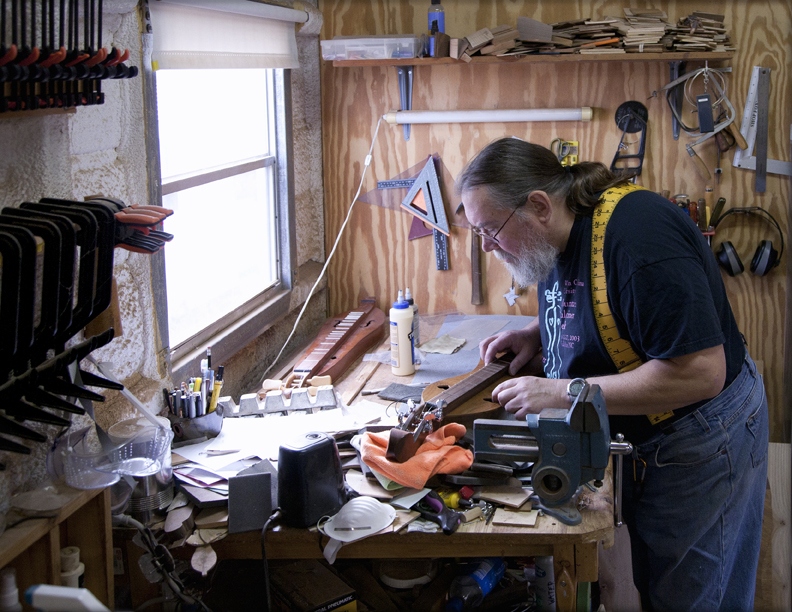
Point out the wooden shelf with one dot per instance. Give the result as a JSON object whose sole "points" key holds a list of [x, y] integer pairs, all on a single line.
{"points": [[540, 59], [33, 547]]}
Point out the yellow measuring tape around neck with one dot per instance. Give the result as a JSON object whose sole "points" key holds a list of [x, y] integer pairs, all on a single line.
{"points": [[620, 350]]}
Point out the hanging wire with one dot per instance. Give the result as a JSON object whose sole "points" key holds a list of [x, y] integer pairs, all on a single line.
{"points": [[705, 72]]}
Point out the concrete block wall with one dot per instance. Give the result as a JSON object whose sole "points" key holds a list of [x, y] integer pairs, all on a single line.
{"points": [[101, 150]]}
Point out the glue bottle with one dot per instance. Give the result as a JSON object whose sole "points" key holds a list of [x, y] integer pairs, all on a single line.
{"points": [[415, 331], [401, 316], [9, 594]]}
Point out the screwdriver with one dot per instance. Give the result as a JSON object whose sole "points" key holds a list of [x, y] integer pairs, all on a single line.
{"points": [[717, 211]]}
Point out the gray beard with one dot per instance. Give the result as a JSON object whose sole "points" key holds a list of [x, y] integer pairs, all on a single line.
{"points": [[535, 261]]}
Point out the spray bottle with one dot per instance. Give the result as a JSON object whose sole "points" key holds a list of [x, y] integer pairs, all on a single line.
{"points": [[401, 316], [437, 15]]}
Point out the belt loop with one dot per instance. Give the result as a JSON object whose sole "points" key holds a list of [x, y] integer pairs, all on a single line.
{"points": [[702, 421], [751, 365]]}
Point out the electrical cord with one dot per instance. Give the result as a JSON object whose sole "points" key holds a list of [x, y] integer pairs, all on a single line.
{"points": [[367, 163], [706, 72], [162, 561], [276, 514]]}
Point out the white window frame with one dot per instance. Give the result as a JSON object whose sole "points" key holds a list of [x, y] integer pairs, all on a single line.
{"points": [[231, 333]]}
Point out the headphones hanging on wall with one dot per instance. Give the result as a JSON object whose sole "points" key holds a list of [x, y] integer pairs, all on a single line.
{"points": [[765, 258]]}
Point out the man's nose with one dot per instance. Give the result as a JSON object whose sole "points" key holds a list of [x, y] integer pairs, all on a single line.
{"points": [[488, 244]]}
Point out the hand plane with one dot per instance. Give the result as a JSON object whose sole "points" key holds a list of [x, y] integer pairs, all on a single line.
{"points": [[568, 447]]}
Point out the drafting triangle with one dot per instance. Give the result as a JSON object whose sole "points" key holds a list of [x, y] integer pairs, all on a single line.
{"points": [[425, 200]]}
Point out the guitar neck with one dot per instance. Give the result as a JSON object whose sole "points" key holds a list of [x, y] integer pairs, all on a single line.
{"points": [[464, 390]]}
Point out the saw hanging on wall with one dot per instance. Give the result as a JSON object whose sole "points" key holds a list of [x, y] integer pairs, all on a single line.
{"points": [[631, 118]]}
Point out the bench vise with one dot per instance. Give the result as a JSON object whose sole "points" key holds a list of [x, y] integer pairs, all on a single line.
{"points": [[569, 448]]}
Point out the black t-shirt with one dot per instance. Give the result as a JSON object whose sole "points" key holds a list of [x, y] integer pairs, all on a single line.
{"points": [[664, 289]]}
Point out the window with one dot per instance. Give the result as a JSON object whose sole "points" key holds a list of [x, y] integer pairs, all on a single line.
{"points": [[219, 93], [218, 175]]}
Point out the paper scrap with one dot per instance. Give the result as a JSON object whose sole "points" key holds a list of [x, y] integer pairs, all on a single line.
{"points": [[364, 486], [504, 494], [445, 345], [512, 518], [407, 498]]}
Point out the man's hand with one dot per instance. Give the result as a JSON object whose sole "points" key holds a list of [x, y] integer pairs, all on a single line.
{"points": [[530, 395], [524, 343]]}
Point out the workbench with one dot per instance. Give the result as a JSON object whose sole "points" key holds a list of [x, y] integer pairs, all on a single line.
{"points": [[574, 549]]}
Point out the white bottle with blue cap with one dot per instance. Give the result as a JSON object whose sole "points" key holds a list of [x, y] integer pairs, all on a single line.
{"points": [[401, 318]]}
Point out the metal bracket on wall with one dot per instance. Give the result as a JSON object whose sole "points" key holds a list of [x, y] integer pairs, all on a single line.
{"points": [[405, 93]]}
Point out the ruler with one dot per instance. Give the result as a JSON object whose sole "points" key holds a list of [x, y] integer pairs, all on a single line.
{"points": [[620, 350], [750, 119], [441, 249], [396, 184]]}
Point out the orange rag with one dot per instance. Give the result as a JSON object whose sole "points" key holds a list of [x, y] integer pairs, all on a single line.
{"points": [[437, 455]]}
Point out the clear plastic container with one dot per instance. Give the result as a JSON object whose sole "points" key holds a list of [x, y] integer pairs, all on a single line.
{"points": [[141, 455], [370, 47]]}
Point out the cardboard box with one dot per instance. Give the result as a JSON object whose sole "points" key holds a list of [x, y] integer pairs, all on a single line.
{"points": [[309, 586]]}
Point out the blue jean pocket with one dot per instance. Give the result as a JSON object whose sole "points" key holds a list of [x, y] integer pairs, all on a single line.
{"points": [[757, 425], [691, 446]]}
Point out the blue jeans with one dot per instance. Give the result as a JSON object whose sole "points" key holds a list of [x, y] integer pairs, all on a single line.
{"points": [[696, 519]]}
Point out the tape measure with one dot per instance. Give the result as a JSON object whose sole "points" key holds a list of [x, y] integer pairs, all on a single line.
{"points": [[620, 350], [396, 184]]}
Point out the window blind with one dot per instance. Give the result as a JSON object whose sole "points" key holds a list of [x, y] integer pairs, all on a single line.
{"points": [[231, 34]]}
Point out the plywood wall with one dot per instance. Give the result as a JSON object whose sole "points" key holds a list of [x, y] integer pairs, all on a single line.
{"points": [[374, 256]]}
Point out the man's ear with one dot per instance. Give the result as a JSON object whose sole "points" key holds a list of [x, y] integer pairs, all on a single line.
{"points": [[541, 205]]}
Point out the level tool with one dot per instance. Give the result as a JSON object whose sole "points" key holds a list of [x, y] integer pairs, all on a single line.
{"points": [[756, 114], [396, 184], [441, 249]]}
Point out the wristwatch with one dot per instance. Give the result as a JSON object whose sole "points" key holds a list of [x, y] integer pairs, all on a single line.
{"points": [[575, 386]]}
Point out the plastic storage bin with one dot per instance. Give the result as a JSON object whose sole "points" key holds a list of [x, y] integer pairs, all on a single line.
{"points": [[370, 47], [141, 455]]}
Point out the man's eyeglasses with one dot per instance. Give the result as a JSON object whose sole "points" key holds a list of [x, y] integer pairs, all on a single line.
{"points": [[494, 237]]}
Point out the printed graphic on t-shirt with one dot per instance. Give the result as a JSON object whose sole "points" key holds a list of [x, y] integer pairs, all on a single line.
{"points": [[552, 321], [560, 325]]}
